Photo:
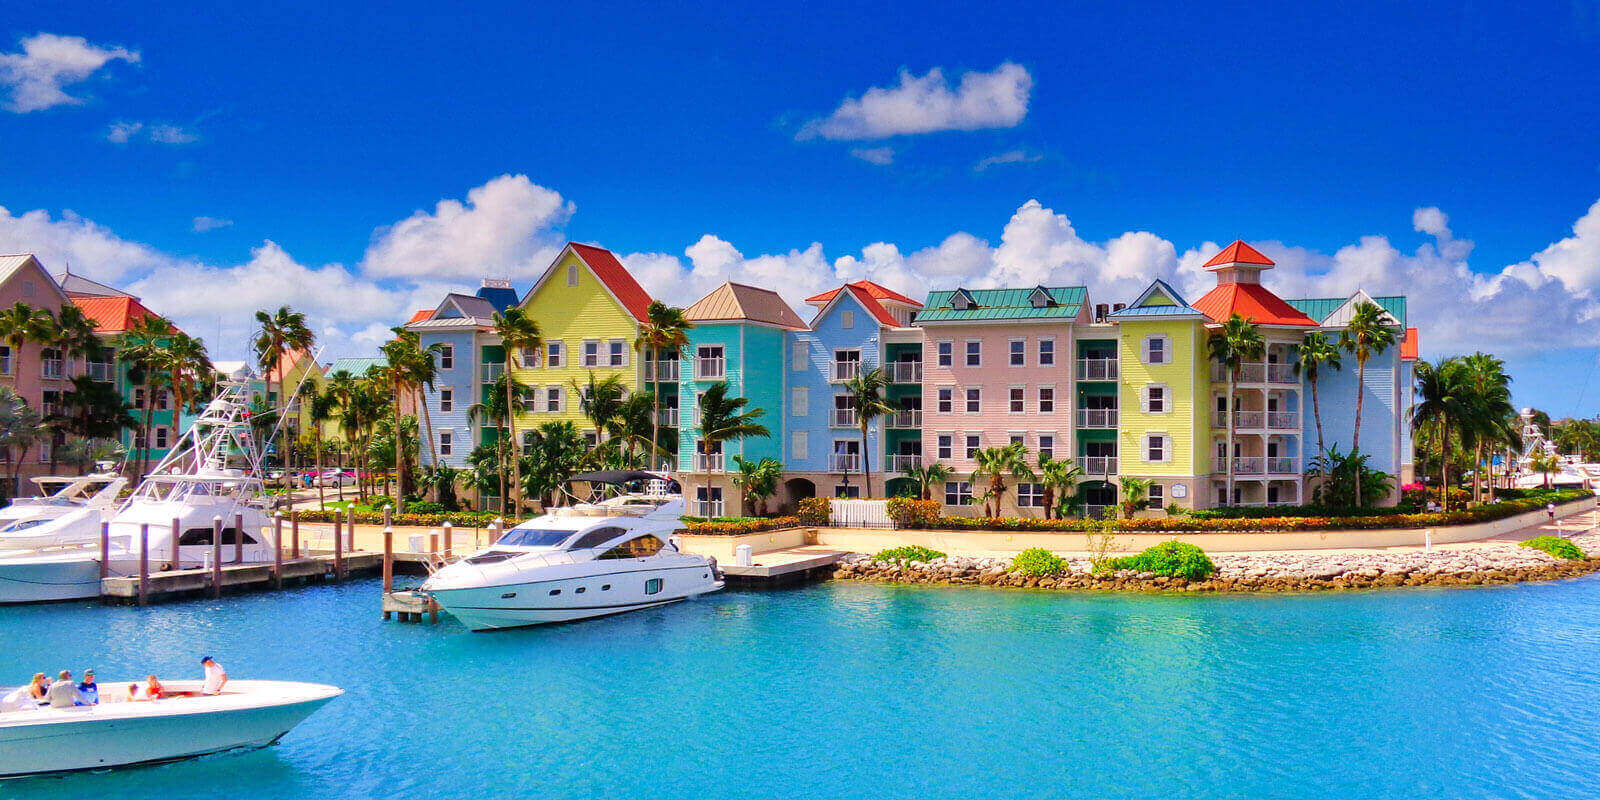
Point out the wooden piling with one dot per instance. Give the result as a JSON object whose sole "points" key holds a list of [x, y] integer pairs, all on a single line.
{"points": [[447, 539], [238, 538], [105, 550], [388, 562], [177, 536], [144, 563], [277, 550], [216, 556], [294, 533], [338, 549], [433, 545]]}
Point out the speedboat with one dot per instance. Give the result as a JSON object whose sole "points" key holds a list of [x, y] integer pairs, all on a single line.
{"points": [[69, 509], [119, 732], [213, 472], [609, 552]]}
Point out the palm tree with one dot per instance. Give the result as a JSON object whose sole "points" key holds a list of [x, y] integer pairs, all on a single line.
{"points": [[184, 360], [320, 407], [1315, 352], [1237, 341], [1135, 491], [601, 400], [406, 369], [866, 394], [995, 463], [93, 410], [281, 332], [666, 330], [74, 333], [21, 427], [22, 324], [496, 410], [556, 450], [929, 476], [633, 425], [723, 418], [517, 331], [1490, 404], [1367, 334], [756, 480], [141, 346], [1058, 477], [1442, 398], [1545, 463]]}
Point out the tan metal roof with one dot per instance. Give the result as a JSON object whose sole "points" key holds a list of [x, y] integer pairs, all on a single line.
{"points": [[736, 302], [11, 263]]}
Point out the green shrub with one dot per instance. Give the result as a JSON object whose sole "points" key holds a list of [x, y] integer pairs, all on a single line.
{"points": [[909, 512], [1556, 546], [735, 526], [814, 511], [908, 554], [1037, 562], [1172, 559], [426, 507]]}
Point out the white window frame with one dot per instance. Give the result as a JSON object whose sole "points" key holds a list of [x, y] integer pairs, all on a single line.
{"points": [[446, 442], [944, 446], [555, 354], [617, 353], [447, 356], [969, 448], [1047, 358], [969, 396], [1156, 496], [447, 400], [1017, 399], [1166, 349], [958, 493], [591, 359], [1043, 450], [1040, 399], [1166, 447], [945, 400], [1166, 398], [1030, 495], [1017, 437], [944, 353], [559, 393], [1016, 352], [967, 354]]}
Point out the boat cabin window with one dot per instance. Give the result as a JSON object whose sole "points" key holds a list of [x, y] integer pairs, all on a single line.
{"points": [[638, 547], [533, 537], [195, 536], [597, 537]]}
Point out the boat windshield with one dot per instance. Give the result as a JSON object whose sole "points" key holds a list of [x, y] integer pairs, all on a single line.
{"points": [[23, 525], [534, 537]]}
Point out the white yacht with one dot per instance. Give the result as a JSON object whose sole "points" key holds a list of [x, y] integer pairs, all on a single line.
{"points": [[184, 724], [68, 510], [610, 552], [213, 471]]}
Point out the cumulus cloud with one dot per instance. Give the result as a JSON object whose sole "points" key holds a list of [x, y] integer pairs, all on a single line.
{"points": [[882, 156], [1008, 157], [926, 104], [203, 224], [47, 64], [508, 227], [158, 133]]}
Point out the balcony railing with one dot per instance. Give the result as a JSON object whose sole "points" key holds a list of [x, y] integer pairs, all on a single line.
{"points": [[668, 418], [901, 420], [1257, 373], [489, 373], [844, 462], [710, 369], [708, 462], [665, 371], [900, 462], [1242, 420], [903, 371], [1099, 465], [709, 508], [101, 371], [1283, 466], [846, 370], [53, 368], [1097, 369], [843, 418], [1245, 465], [1097, 418], [1283, 420], [1281, 373]]}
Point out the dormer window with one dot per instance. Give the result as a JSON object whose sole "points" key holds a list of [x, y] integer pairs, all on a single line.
{"points": [[962, 300], [1040, 298]]}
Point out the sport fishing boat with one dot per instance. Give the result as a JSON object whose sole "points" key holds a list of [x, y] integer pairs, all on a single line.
{"points": [[610, 551], [68, 510], [213, 472], [182, 724]]}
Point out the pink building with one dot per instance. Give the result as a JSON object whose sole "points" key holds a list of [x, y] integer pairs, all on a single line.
{"points": [[35, 371]]}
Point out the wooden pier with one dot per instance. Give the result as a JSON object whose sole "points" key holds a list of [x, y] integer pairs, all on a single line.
{"points": [[787, 567]]}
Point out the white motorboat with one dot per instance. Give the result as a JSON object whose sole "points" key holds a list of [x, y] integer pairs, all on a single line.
{"points": [[213, 472], [119, 732], [68, 510], [610, 553]]}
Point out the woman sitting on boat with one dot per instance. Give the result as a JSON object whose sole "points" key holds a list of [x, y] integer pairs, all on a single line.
{"points": [[39, 688], [152, 690], [26, 697]]}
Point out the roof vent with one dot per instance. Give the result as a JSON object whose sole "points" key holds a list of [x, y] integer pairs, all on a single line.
{"points": [[495, 283], [1119, 306], [1100, 312]]}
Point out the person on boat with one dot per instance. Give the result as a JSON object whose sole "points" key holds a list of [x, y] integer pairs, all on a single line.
{"points": [[38, 687], [88, 690], [64, 692], [152, 690], [216, 676]]}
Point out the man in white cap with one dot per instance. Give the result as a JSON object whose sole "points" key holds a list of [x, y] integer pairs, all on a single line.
{"points": [[216, 676]]}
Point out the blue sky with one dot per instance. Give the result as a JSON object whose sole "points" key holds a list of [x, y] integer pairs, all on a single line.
{"points": [[1415, 149]]}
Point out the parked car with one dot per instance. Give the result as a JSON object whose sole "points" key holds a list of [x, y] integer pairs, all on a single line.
{"points": [[336, 478]]}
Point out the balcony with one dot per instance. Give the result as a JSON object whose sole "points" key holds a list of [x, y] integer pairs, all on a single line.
{"points": [[843, 418], [1097, 369], [101, 371], [668, 418], [708, 462], [489, 373], [846, 370], [1099, 465], [1242, 420], [710, 369], [903, 371], [1282, 373], [664, 371], [903, 420], [1244, 465], [1283, 421], [1277, 373], [1283, 466], [844, 462], [53, 369], [1097, 418], [900, 462]]}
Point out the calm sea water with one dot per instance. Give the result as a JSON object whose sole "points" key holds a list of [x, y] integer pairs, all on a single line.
{"points": [[849, 690]]}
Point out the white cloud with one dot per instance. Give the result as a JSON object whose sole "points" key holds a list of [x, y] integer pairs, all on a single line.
{"points": [[509, 227], [997, 99], [882, 156], [172, 134], [123, 132], [1008, 157], [159, 133], [47, 64], [203, 224]]}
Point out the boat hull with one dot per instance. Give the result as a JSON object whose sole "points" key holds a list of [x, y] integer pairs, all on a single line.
{"points": [[539, 602], [101, 737], [37, 579]]}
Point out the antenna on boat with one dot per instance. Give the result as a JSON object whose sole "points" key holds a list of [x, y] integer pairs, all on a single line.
{"points": [[316, 359]]}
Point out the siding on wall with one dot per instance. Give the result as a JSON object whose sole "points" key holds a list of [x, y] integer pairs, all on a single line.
{"points": [[463, 381], [827, 335], [1380, 415], [573, 314], [729, 335], [1186, 377]]}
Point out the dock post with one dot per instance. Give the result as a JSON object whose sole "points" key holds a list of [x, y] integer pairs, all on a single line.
{"points": [[294, 533], [448, 537], [105, 550], [277, 550], [388, 561], [177, 553], [144, 563], [388, 516], [350, 530], [238, 538], [433, 544], [338, 551], [216, 556]]}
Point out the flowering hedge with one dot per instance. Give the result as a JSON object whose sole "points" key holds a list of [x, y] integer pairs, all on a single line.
{"points": [[738, 527], [469, 519], [911, 513], [814, 510]]}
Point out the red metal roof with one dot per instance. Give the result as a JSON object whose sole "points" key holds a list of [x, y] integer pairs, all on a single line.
{"points": [[873, 290], [113, 314], [610, 271], [1239, 253], [871, 303], [1408, 345], [420, 315], [1251, 301]]}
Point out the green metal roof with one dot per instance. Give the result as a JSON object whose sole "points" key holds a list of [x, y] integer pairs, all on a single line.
{"points": [[993, 304], [355, 366], [1318, 308]]}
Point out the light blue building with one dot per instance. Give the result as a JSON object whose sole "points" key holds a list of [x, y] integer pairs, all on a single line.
{"points": [[468, 355]]}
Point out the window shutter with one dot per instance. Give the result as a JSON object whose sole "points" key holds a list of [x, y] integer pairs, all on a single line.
{"points": [[1144, 399]]}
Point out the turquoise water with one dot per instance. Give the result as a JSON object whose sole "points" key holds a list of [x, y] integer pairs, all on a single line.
{"points": [[856, 690]]}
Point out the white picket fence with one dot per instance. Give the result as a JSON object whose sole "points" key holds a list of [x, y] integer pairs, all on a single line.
{"points": [[859, 513]]}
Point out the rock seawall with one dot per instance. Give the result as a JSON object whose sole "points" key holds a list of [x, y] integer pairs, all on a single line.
{"points": [[1249, 572]]}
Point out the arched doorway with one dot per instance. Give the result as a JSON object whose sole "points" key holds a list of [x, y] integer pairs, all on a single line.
{"points": [[795, 490], [901, 487]]}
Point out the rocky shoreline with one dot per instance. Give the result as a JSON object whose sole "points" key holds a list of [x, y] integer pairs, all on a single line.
{"points": [[1248, 572]]}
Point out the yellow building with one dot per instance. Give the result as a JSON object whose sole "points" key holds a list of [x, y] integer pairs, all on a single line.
{"points": [[1164, 435]]}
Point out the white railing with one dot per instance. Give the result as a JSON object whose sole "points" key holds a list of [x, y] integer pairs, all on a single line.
{"points": [[903, 371], [844, 462], [101, 371], [1097, 369], [1283, 420], [708, 508], [1281, 373], [846, 370], [664, 371], [1099, 465], [1244, 465], [903, 419], [900, 462], [1097, 418], [844, 418], [1282, 466], [710, 369], [1248, 373], [859, 513], [489, 373], [53, 368], [708, 462], [668, 418]]}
